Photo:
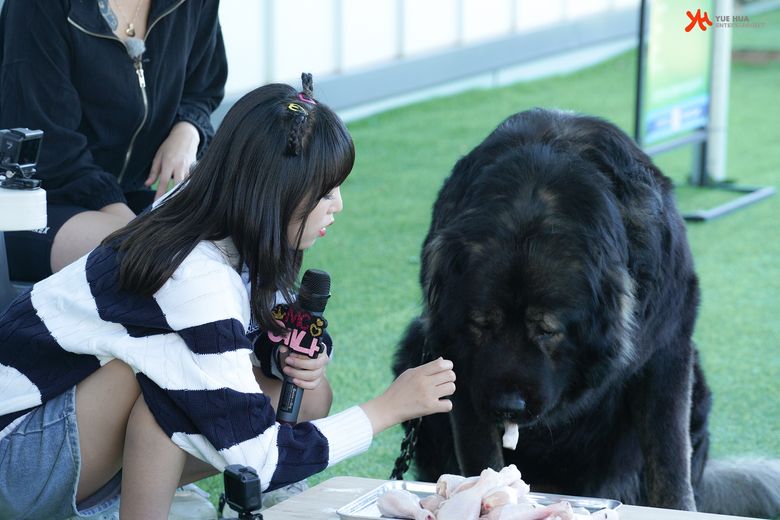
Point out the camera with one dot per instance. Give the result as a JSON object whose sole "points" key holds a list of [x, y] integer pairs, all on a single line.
{"points": [[242, 492], [19, 150]]}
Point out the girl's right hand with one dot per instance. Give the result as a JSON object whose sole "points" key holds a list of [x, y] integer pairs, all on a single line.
{"points": [[415, 393]]}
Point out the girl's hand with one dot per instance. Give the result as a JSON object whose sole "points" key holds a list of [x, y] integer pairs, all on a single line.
{"points": [[174, 157], [415, 393], [305, 372]]}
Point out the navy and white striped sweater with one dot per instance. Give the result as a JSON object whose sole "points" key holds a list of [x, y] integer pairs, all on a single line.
{"points": [[189, 349]]}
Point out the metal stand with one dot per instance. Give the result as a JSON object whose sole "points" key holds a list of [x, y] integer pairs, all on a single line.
{"points": [[709, 143], [753, 194]]}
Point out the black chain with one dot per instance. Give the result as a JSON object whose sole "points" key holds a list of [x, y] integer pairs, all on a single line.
{"points": [[407, 450], [409, 443]]}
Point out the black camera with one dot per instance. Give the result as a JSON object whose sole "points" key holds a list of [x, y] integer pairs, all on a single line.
{"points": [[19, 150], [242, 492]]}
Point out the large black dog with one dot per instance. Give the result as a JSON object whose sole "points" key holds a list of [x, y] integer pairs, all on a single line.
{"points": [[557, 276]]}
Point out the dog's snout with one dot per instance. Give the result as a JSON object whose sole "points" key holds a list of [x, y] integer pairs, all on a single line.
{"points": [[511, 403]]}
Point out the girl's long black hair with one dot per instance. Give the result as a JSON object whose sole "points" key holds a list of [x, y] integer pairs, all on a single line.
{"points": [[275, 151]]}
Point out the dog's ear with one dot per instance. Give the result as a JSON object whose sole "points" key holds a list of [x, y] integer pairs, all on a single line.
{"points": [[445, 261], [618, 294]]}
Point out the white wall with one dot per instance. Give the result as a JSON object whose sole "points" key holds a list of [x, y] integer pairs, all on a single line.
{"points": [[275, 40]]}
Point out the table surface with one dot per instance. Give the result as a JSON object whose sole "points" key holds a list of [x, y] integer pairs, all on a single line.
{"points": [[321, 502]]}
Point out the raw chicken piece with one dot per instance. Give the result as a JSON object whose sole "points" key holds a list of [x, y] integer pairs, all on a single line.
{"points": [[510, 476], [558, 511], [465, 505], [511, 435], [498, 497], [432, 502], [448, 484], [400, 503]]}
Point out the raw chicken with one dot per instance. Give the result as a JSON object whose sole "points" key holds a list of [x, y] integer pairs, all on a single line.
{"points": [[400, 503], [498, 497], [432, 502], [558, 511], [465, 505], [493, 495], [448, 484]]}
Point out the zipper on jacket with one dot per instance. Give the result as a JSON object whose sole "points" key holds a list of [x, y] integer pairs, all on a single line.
{"points": [[139, 70]]}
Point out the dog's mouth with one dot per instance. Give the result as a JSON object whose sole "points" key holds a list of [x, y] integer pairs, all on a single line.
{"points": [[509, 409], [511, 435]]}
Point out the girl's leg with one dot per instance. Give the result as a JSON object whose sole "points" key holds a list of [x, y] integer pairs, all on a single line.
{"points": [[84, 231], [117, 431], [103, 404], [153, 468]]}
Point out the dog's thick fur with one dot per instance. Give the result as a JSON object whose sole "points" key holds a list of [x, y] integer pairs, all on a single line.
{"points": [[557, 276]]}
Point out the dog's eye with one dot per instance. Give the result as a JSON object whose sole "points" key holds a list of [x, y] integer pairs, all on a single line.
{"points": [[546, 337], [543, 330]]}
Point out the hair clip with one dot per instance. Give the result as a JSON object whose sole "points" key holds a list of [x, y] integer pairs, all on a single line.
{"points": [[295, 107], [306, 99]]}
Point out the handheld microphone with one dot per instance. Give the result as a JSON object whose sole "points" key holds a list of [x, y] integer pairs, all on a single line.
{"points": [[305, 325]]}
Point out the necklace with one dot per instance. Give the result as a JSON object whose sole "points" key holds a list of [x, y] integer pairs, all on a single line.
{"points": [[130, 30]]}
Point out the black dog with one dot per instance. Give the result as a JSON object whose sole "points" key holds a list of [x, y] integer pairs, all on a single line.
{"points": [[557, 276]]}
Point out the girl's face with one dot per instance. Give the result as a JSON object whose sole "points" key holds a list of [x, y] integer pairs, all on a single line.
{"points": [[319, 219]]}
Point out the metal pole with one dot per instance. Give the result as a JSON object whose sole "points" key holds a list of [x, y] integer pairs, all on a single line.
{"points": [[400, 29], [338, 35], [269, 37], [641, 62], [717, 130]]}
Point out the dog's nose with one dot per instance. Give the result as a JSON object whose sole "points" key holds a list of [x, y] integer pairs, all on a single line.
{"points": [[511, 403]]}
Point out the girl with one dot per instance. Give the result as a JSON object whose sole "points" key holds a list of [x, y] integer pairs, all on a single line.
{"points": [[133, 365]]}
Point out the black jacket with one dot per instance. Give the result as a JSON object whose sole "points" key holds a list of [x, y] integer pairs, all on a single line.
{"points": [[66, 73]]}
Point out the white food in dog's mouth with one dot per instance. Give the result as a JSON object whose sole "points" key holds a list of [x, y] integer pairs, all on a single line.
{"points": [[511, 435]]}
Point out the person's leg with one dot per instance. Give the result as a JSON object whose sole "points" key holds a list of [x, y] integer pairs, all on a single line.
{"points": [[84, 231], [153, 468], [117, 431], [103, 404]]}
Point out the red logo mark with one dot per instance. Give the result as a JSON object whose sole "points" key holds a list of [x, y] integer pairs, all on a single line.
{"points": [[698, 18]]}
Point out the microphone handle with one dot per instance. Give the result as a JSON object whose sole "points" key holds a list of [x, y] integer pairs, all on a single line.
{"points": [[289, 403]]}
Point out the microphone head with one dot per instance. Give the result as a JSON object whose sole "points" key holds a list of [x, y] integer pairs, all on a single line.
{"points": [[135, 47], [314, 291]]}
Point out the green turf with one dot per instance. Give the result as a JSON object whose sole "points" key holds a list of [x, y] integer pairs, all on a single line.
{"points": [[404, 155]]}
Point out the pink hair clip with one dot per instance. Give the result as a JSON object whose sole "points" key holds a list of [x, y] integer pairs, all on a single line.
{"points": [[306, 99]]}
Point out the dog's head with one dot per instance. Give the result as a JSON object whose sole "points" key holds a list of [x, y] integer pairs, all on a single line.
{"points": [[526, 280]]}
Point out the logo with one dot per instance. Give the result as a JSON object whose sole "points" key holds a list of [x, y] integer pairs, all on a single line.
{"points": [[698, 18], [721, 21]]}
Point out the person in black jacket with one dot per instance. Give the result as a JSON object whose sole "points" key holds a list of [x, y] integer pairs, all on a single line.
{"points": [[124, 91]]}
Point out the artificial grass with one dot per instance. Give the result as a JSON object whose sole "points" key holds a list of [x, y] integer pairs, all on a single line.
{"points": [[404, 155]]}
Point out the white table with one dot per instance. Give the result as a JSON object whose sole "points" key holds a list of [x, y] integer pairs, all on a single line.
{"points": [[322, 501]]}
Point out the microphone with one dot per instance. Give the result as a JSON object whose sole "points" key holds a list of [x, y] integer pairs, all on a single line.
{"points": [[305, 328]]}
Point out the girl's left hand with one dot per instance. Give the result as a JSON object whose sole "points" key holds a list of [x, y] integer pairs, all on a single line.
{"points": [[174, 157], [305, 372]]}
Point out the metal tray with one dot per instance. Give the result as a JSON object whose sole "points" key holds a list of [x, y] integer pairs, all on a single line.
{"points": [[364, 507]]}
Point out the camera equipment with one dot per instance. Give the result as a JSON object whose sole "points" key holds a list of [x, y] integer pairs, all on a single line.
{"points": [[242, 492], [19, 150]]}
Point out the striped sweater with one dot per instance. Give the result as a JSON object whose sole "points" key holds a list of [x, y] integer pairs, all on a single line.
{"points": [[188, 347]]}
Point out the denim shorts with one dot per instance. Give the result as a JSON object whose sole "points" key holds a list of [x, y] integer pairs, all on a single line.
{"points": [[39, 467]]}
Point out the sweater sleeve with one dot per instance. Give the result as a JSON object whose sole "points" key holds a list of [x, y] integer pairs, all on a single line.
{"points": [[36, 92], [204, 87], [203, 394]]}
